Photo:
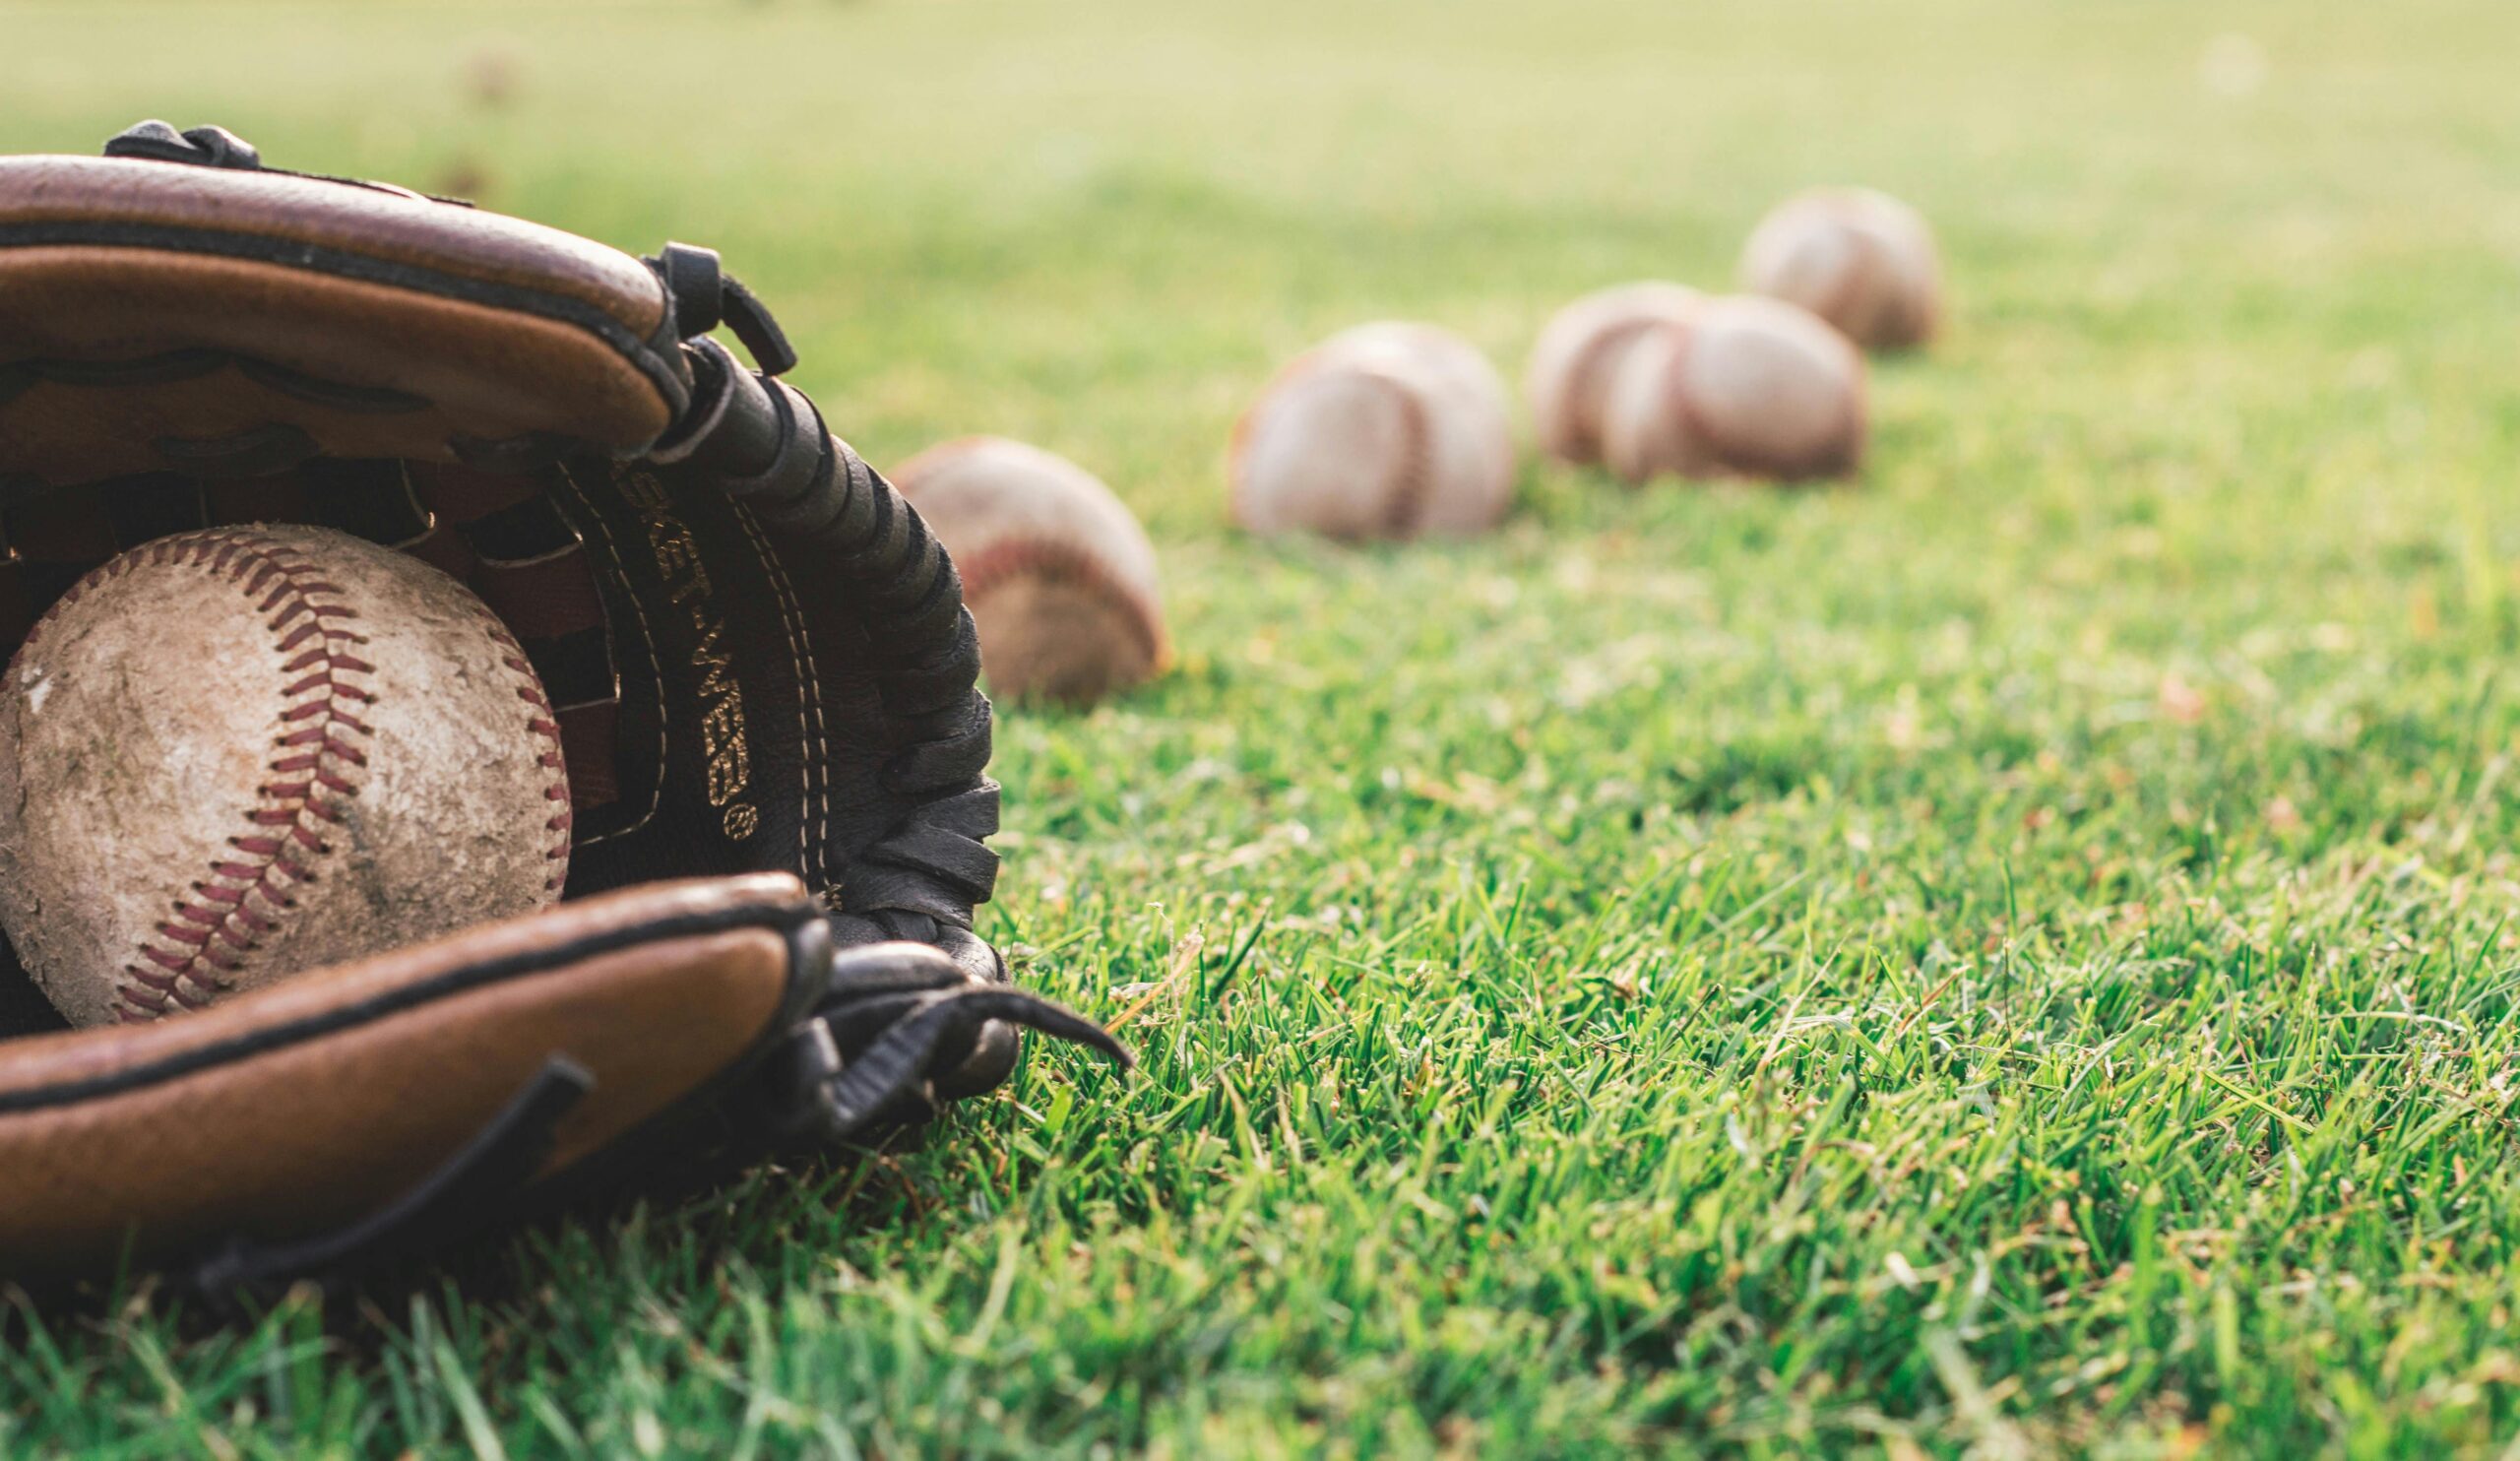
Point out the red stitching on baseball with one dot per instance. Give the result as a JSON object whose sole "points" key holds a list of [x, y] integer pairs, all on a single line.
{"points": [[1695, 432], [1405, 512], [1585, 402], [544, 726], [222, 908]]}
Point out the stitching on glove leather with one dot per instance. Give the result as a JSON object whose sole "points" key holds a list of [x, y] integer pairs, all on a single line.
{"points": [[813, 803], [840, 515]]}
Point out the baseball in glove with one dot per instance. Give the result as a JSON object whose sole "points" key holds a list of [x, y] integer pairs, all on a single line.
{"points": [[758, 663]]}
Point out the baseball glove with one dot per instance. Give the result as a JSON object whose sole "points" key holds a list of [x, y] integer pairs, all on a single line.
{"points": [[759, 661]]}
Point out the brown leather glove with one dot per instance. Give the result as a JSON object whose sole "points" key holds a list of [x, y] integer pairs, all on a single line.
{"points": [[760, 659]]}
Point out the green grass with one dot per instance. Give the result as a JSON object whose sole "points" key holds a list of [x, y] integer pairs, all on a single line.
{"points": [[2015, 955]]}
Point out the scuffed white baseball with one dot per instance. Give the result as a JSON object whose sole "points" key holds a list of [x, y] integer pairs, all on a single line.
{"points": [[1568, 380], [1059, 576], [1859, 259], [1750, 387], [236, 755], [1387, 430]]}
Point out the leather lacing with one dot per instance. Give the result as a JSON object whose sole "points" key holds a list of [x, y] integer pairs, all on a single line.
{"points": [[880, 559], [920, 880], [892, 1014]]}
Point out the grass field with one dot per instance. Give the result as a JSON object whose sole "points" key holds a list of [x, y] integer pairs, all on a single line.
{"points": [[2013, 956]]}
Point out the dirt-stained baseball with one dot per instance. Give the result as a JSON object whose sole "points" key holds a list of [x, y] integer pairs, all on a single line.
{"points": [[1572, 366], [1751, 387], [1862, 260], [235, 754], [1386, 430], [1059, 577]]}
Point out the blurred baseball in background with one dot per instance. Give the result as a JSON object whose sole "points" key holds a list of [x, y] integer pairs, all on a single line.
{"points": [[1568, 380], [1862, 260], [1750, 387], [1386, 430], [1061, 578]]}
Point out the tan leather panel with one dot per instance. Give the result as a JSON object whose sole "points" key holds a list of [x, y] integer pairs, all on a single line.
{"points": [[489, 373], [326, 1131], [40, 1061], [484, 246]]}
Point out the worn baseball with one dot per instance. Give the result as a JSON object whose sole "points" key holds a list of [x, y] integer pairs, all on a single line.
{"points": [[1750, 387], [1568, 380], [1386, 430], [1862, 260], [233, 755], [1059, 577]]}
